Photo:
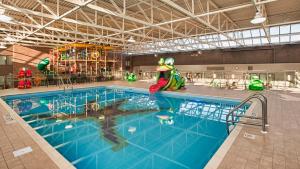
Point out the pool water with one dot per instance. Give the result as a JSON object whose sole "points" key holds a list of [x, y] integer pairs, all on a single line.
{"points": [[114, 128]]}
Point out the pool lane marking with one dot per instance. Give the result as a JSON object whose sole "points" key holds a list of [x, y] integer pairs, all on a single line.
{"points": [[154, 153], [95, 153], [69, 130]]}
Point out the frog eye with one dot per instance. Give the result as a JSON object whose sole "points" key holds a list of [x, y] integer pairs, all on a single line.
{"points": [[161, 61], [169, 61]]}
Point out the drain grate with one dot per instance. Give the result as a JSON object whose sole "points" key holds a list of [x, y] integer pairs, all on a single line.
{"points": [[249, 136], [22, 151], [8, 119]]}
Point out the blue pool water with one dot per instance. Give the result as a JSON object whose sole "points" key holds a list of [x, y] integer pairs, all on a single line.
{"points": [[114, 128]]}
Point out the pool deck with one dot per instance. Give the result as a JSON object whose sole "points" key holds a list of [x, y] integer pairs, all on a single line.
{"points": [[279, 148]]}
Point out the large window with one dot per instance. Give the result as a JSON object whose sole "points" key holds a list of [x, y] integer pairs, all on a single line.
{"points": [[282, 34]]}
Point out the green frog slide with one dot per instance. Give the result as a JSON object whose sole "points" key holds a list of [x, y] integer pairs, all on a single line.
{"points": [[168, 77]]}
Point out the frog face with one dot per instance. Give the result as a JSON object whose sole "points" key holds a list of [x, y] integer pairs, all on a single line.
{"points": [[165, 64], [165, 67]]}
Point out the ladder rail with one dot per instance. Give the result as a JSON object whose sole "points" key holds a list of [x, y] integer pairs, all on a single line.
{"points": [[263, 101], [66, 84]]}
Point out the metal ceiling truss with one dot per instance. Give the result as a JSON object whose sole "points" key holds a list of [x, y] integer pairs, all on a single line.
{"points": [[150, 22]]}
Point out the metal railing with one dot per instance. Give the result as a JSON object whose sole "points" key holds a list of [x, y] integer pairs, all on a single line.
{"points": [[65, 84], [264, 119]]}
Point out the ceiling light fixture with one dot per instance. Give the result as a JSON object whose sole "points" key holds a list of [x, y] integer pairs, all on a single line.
{"points": [[258, 18], [131, 40], [4, 18]]}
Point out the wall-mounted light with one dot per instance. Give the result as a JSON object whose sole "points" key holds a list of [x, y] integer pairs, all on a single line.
{"points": [[232, 76], [214, 76]]}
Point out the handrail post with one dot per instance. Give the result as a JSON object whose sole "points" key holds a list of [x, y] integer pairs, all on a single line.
{"points": [[264, 109]]}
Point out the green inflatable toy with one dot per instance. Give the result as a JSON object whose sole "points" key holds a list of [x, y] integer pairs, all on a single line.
{"points": [[256, 84], [168, 77], [130, 77]]}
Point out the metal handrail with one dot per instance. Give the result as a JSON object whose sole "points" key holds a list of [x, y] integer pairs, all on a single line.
{"points": [[264, 103], [60, 82], [65, 85]]}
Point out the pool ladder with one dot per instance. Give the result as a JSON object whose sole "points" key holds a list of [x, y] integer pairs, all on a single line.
{"points": [[68, 83], [232, 117]]}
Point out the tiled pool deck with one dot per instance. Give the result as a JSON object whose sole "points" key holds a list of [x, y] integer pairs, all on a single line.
{"points": [[279, 148]]}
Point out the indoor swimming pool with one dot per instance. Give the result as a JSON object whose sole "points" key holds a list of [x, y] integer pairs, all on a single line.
{"points": [[115, 127]]}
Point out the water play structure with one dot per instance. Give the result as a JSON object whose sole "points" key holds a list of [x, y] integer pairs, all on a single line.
{"points": [[168, 77], [42, 65], [255, 83]]}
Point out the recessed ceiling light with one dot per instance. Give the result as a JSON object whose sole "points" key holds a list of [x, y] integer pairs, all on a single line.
{"points": [[258, 18]]}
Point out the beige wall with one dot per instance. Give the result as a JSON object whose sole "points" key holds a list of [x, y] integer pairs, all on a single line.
{"points": [[274, 67], [24, 56]]}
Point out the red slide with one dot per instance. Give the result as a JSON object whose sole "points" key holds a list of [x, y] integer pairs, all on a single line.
{"points": [[156, 87]]}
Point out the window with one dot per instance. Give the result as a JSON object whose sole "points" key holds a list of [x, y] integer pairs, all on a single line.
{"points": [[274, 30], [247, 34], [285, 29], [295, 28], [248, 42], [284, 38], [275, 39], [255, 32], [295, 38], [251, 37], [256, 41]]}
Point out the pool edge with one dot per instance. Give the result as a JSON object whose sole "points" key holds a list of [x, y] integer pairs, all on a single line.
{"points": [[59, 160], [214, 161], [218, 157]]}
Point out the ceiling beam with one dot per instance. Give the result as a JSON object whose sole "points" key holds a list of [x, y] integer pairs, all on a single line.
{"points": [[56, 19], [191, 15], [69, 20]]}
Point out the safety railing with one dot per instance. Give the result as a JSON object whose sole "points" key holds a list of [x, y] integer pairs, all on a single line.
{"points": [[65, 84], [232, 118]]}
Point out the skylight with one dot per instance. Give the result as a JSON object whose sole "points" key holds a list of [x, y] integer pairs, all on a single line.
{"points": [[283, 34]]}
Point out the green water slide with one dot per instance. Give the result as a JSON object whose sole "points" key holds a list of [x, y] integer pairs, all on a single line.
{"points": [[42, 65]]}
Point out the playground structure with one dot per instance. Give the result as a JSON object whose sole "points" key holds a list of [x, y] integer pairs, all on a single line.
{"points": [[168, 77], [237, 80], [90, 60]]}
